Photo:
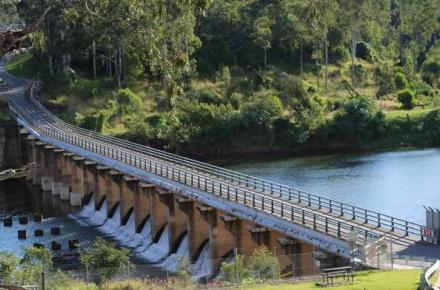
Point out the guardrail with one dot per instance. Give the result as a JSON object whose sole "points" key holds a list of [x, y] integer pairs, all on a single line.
{"points": [[286, 197], [259, 201], [337, 208], [424, 278]]}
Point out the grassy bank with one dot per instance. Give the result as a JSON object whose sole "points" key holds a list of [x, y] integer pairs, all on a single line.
{"points": [[210, 122]]}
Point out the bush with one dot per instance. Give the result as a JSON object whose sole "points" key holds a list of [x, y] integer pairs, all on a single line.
{"points": [[128, 101], [363, 51], [406, 98], [400, 81], [431, 68], [106, 259], [421, 88], [8, 265], [358, 119], [431, 126]]}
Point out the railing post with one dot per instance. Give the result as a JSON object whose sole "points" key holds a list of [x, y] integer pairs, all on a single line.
{"points": [[339, 229], [303, 217], [319, 202], [392, 224], [314, 221], [353, 217], [366, 217], [326, 224], [330, 207], [406, 229], [271, 209], [378, 220]]}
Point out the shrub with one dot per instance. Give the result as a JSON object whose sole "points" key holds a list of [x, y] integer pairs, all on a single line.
{"points": [[128, 101], [364, 51], [358, 119], [406, 98], [421, 88], [431, 125], [400, 81], [8, 265]]}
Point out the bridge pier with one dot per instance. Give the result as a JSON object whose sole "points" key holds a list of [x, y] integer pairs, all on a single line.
{"points": [[89, 178], [198, 228], [35, 157], [114, 188], [158, 213], [77, 186], [142, 204], [129, 189], [100, 174], [175, 218], [66, 173], [57, 182], [46, 178]]}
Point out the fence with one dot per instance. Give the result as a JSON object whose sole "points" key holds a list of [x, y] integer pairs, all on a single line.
{"points": [[177, 273]]}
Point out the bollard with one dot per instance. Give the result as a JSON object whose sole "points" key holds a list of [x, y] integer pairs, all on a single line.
{"points": [[56, 246], [38, 233], [21, 234], [73, 244], [55, 231], [7, 222], [38, 217], [23, 220]]}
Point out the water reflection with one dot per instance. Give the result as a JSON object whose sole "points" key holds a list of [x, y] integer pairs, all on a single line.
{"points": [[396, 183]]}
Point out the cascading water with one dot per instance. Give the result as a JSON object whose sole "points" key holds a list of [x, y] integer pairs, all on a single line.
{"points": [[112, 224], [88, 210], [202, 268], [172, 262], [143, 239], [99, 217], [156, 252], [127, 232]]}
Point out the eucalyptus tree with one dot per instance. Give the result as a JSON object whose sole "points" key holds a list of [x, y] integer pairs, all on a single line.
{"points": [[262, 35], [419, 20]]}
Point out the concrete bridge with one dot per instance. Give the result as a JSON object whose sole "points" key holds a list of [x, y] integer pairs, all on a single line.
{"points": [[209, 204]]}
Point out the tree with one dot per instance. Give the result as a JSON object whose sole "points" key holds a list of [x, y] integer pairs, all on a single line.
{"points": [[263, 35], [419, 20], [34, 262], [106, 260], [8, 266], [407, 98]]}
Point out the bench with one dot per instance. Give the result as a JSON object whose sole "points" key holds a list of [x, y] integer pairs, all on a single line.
{"points": [[329, 274]]}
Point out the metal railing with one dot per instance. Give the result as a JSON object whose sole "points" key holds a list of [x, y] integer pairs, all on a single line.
{"points": [[267, 196], [303, 198]]}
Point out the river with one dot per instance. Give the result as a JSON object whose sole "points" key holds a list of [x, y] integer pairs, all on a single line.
{"points": [[397, 183]]}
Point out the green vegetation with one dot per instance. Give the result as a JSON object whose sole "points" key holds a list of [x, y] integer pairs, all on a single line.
{"points": [[209, 75], [260, 266], [372, 280], [24, 65]]}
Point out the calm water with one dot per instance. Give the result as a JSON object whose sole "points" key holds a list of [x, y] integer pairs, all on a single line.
{"points": [[17, 200], [396, 183]]}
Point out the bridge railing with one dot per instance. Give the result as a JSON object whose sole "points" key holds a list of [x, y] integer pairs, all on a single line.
{"points": [[259, 201], [336, 208], [303, 198]]}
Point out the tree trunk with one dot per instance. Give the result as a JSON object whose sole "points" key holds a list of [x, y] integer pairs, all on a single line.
{"points": [[301, 59], [110, 72], [353, 56], [326, 61], [94, 58], [119, 66], [265, 59], [50, 60]]}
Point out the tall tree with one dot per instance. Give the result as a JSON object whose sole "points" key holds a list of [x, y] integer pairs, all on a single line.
{"points": [[262, 35]]}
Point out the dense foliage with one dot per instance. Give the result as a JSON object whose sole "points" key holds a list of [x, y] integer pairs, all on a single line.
{"points": [[221, 77]]}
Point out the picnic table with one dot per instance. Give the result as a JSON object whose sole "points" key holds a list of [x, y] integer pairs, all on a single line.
{"points": [[330, 273]]}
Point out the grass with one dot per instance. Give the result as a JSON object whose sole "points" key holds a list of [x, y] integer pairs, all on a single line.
{"points": [[371, 280]]}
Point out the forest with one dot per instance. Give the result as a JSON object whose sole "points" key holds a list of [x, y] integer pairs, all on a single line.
{"points": [[225, 77]]}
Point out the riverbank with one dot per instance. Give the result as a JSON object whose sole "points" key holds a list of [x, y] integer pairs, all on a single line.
{"points": [[207, 124]]}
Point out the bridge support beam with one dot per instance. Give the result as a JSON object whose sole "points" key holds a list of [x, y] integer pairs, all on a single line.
{"points": [[46, 179], [57, 181], [66, 173], [158, 213], [100, 174], [129, 188], [142, 208], [89, 178], [34, 155], [175, 218], [198, 228], [221, 240], [114, 188], [77, 192]]}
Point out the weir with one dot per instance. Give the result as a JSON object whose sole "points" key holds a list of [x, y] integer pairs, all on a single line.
{"points": [[164, 206]]}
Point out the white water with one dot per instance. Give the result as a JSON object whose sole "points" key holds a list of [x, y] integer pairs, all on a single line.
{"points": [[126, 233], [156, 252], [112, 224], [99, 217], [141, 240], [172, 262], [202, 267], [88, 210]]}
